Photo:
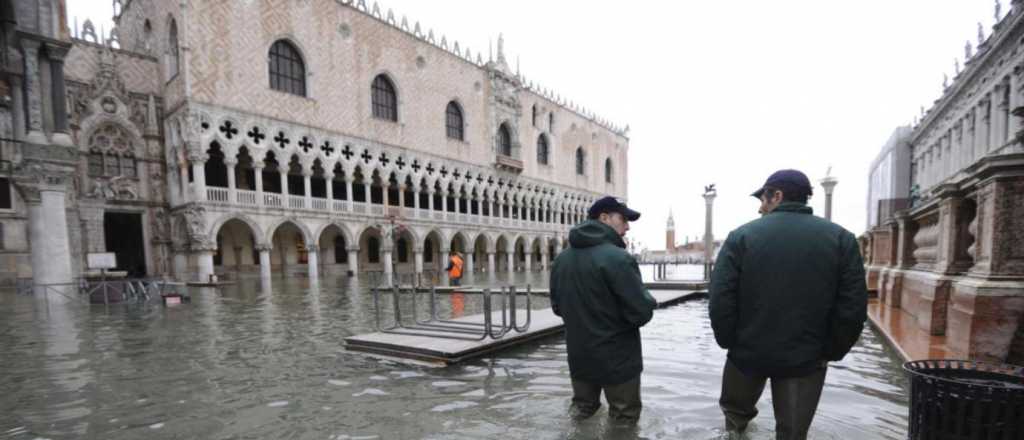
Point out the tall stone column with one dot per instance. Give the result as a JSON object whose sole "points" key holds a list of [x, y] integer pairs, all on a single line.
{"points": [[709, 238], [44, 193], [257, 170], [511, 259], [491, 267], [307, 187], [527, 261], [284, 187], [204, 260], [264, 260], [416, 201], [366, 192], [329, 184], [181, 263], [385, 189], [469, 262], [401, 196], [313, 262], [198, 161], [389, 269], [353, 259], [430, 200], [183, 188], [348, 192], [444, 201], [544, 259], [829, 183], [61, 131], [442, 262], [417, 255], [232, 185], [33, 91]]}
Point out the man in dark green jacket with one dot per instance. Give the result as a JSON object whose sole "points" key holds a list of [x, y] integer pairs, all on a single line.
{"points": [[597, 290], [788, 295]]}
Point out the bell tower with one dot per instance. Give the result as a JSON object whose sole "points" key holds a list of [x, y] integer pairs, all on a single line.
{"points": [[670, 233]]}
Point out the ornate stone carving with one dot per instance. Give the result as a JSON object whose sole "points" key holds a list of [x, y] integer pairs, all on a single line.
{"points": [[114, 188], [926, 242], [194, 219]]}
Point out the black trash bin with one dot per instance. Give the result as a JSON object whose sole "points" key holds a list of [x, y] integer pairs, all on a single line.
{"points": [[965, 400]]}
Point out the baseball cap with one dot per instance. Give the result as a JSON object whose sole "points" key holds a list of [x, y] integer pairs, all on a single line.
{"points": [[612, 204], [789, 181]]}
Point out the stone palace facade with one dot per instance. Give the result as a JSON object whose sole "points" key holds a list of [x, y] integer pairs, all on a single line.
{"points": [[948, 251], [316, 136]]}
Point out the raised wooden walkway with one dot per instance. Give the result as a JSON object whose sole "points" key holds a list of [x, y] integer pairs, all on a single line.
{"points": [[425, 347]]}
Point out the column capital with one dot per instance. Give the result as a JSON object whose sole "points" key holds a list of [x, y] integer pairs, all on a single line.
{"points": [[312, 248], [264, 247], [230, 161], [31, 179], [196, 156], [352, 248], [57, 52]]}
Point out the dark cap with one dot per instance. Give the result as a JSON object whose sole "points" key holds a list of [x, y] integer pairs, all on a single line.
{"points": [[611, 204], [789, 181]]}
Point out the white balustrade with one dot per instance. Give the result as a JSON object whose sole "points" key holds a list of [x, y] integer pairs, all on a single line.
{"points": [[319, 204], [245, 197], [359, 207], [272, 200], [376, 209], [297, 202], [338, 205], [217, 195]]}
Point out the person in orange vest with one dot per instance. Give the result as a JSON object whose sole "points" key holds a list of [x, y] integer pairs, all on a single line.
{"points": [[454, 268]]}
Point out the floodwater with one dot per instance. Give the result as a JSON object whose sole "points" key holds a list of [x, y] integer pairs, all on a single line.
{"points": [[249, 363]]}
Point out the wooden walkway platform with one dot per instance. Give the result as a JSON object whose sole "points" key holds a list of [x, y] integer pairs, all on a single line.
{"points": [[425, 347]]}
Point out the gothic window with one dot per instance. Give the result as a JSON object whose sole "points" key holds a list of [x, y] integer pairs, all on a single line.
{"points": [[111, 165], [128, 166], [534, 115], [551, 122], [172, 49], [373, 253], [453, 122], [542, 150], [95, 163], [579, 161], [385, 100], [5, 197], [504, 141], [340, 253], [287, 71], [608, 170]]}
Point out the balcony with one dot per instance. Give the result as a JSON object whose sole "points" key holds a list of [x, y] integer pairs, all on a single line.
{"points": [[507, 163]]}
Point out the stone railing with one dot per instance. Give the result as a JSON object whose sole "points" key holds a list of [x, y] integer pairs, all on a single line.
{"points": [[926, 242]]}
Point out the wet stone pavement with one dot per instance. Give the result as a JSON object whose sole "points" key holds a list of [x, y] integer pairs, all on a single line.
{"points": [[245, 363]]}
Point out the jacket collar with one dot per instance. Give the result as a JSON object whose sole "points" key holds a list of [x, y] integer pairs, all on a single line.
{"points": [[795, 207]]}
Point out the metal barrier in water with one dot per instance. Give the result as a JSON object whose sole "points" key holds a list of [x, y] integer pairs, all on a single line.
{"points": [[435, 326]]}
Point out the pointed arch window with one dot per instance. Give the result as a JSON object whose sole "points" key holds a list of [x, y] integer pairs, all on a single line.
{"points": [[504, 141], [95, 163], [542, 150], [287, 70], [172, 49], [608, 170], [580, 158], [454, 122], [385, 100]]}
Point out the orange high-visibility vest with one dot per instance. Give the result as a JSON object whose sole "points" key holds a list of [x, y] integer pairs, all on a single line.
{"points": [[456, 270]]}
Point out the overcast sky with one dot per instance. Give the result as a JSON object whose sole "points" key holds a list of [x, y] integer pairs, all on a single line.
{"points": [[722, 92]]}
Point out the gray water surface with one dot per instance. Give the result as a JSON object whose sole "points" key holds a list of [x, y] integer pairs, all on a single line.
{"points": [[244, 363]]}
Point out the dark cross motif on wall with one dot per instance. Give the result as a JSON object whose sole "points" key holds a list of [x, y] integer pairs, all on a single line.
{"points": [[415, 165], [444, 171], [480, 179], [456, 174], [490, 181], [347, 152], [282, 141], [367, 157], [430, 168], [384, 159], [228, 130], [256, 135], [327, 148], [305, 144], [400, 163]]}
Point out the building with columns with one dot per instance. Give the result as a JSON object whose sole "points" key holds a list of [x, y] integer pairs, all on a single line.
{"points": [[268, 136], [951, 260]]}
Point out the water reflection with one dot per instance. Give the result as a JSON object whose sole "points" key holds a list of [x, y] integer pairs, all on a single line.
{"points": [[266, 359]]}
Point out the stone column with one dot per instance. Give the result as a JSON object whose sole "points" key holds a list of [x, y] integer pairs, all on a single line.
{"points": [[430, 199], [44, 194], [183, 187], [61, 131], [984, 130], [198, 161], [348, 192], [544, 258], [329, 184], [709, 238], [442, 262], [33, 91], [385, 189], [232, 198], [265, 267], [385, 259], [257, 170], [353, 259], [527, 261], [204, 260], [284, 187], [401, 196], [307, 187], [181, 263], [417, 255], [469, 262], [312, 262], [491, 267], [444, 201], [511, 258], [829, 183], [416, 200]]}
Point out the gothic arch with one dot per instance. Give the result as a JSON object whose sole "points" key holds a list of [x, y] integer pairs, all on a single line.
{"points": [[257, 232], [306, 234]]}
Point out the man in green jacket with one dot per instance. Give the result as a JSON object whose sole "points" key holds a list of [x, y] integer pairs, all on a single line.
{"points": [[788, 295], [597, 290]]}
